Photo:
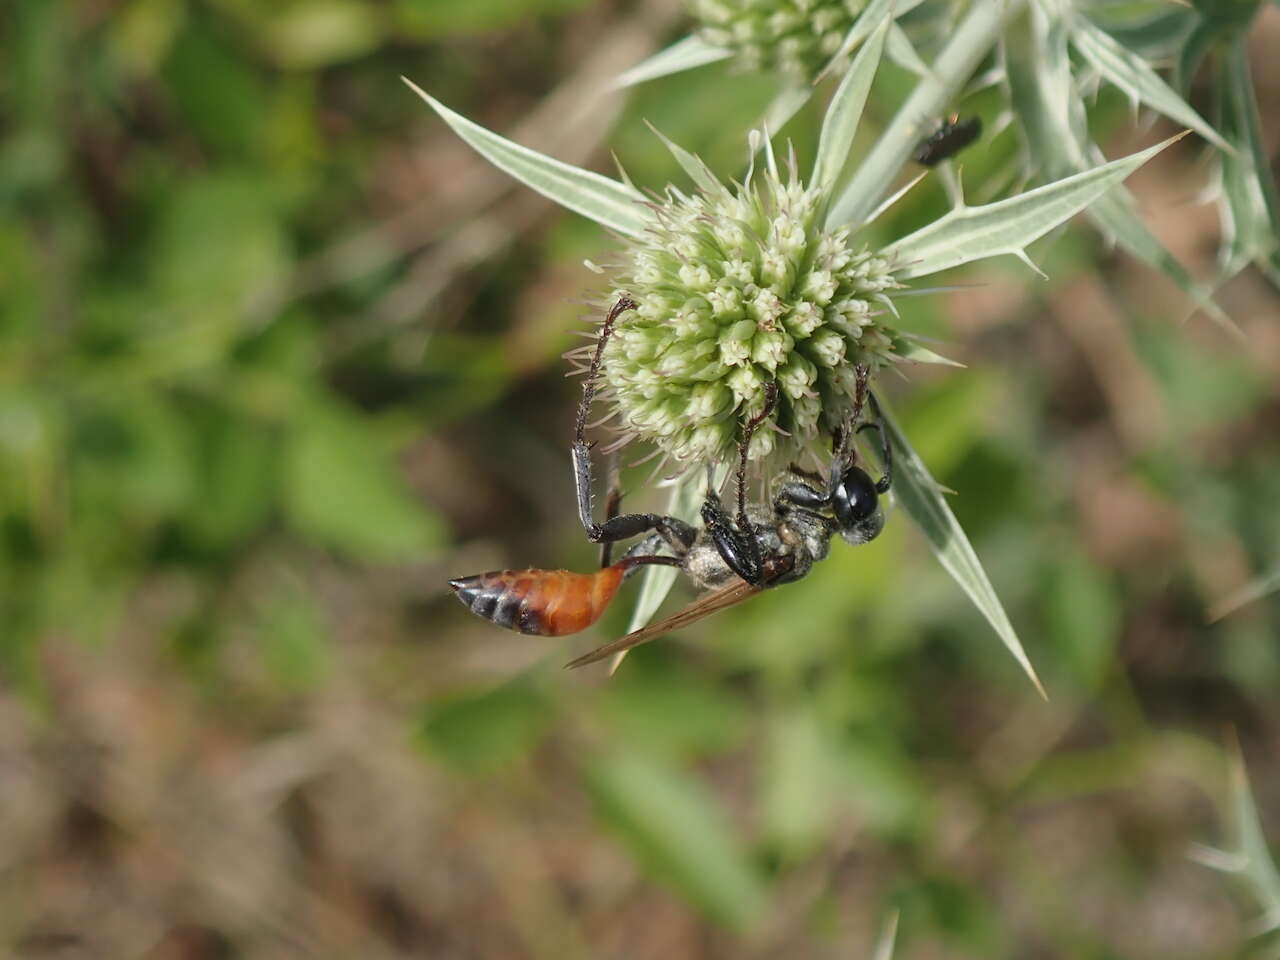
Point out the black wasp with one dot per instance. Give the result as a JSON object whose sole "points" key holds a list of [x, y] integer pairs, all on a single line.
{"points": [[731, 555], [948, 140]]}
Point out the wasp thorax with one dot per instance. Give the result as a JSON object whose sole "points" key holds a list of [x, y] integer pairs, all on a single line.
{"points": [[797, 36], [737, 291]]}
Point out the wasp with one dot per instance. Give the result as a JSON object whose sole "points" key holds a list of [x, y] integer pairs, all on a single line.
{"points": [[731, 555], [948, 140]]}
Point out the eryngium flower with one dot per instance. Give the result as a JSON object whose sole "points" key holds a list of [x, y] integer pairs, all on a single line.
{"points": [[796, 36], [735, 289]]}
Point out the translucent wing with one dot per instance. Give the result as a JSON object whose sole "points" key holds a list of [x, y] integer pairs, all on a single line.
{"points": [[710, 602]]}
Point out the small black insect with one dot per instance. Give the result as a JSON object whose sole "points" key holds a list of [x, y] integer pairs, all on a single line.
{"points": [[948, 140], [732, 555]]}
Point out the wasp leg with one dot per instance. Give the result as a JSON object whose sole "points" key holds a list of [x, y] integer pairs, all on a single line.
{"points": [[736, 542], [799, 493], [678, 534], [810, 477], [736, 545], [646, 552], [770, 401]]}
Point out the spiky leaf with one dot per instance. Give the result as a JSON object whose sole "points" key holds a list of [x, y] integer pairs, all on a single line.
{"points": [[682, 55], [1132, 75], [923, 501], [608, 202], [1055, 130], [1008, 226], [974, 37], [842, 117]]}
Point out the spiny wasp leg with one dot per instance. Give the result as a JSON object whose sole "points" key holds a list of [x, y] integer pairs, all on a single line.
{"points": [[737, 543], [678, 534]]}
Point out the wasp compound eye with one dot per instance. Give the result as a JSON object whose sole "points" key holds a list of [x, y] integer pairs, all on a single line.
{"points": [[855, 497], [856, 505]]}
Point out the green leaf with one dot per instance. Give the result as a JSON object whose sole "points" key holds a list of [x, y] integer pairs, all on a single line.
{"points": [[1115, 215], [911, 350], [680, 834], [902, 52], [342, 490], [1193, 51], [608, 202], [1007, 226], [867, 21], [683, 55], [1132, 75], [1253, 171], [1156, 36], [923, 500], [845, 111]]}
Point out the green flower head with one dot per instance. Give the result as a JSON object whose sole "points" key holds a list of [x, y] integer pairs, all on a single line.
{"points": [[735, 289], [798, 37]]}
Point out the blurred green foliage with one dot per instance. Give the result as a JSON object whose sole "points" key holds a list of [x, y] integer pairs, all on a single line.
{"points": [[222, 465]]}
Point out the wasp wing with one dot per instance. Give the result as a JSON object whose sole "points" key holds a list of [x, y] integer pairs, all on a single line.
{"points": [[710, 602]]}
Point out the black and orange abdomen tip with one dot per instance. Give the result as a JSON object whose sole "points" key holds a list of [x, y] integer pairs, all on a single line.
{"points": [[497, 597], [550, 603]]}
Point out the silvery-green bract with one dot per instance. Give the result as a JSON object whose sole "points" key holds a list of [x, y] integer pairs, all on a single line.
{"points": [[798, 37], [736, 288]]}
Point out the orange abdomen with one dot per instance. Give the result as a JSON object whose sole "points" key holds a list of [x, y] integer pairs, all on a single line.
{"points": [[551, 603]]}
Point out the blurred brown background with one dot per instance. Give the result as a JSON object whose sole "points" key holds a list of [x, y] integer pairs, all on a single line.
{"points": [[280, 356]]}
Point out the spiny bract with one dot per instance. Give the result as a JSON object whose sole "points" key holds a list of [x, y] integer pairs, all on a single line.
{"points": [[796, 36], [735, 288]]}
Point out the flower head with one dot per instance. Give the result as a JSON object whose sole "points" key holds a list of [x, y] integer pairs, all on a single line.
{"points": [[735, 289], [798, 37]]}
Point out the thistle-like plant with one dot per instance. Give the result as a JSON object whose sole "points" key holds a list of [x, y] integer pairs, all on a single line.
{"points": [[766, 281], [1047, 58]]}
